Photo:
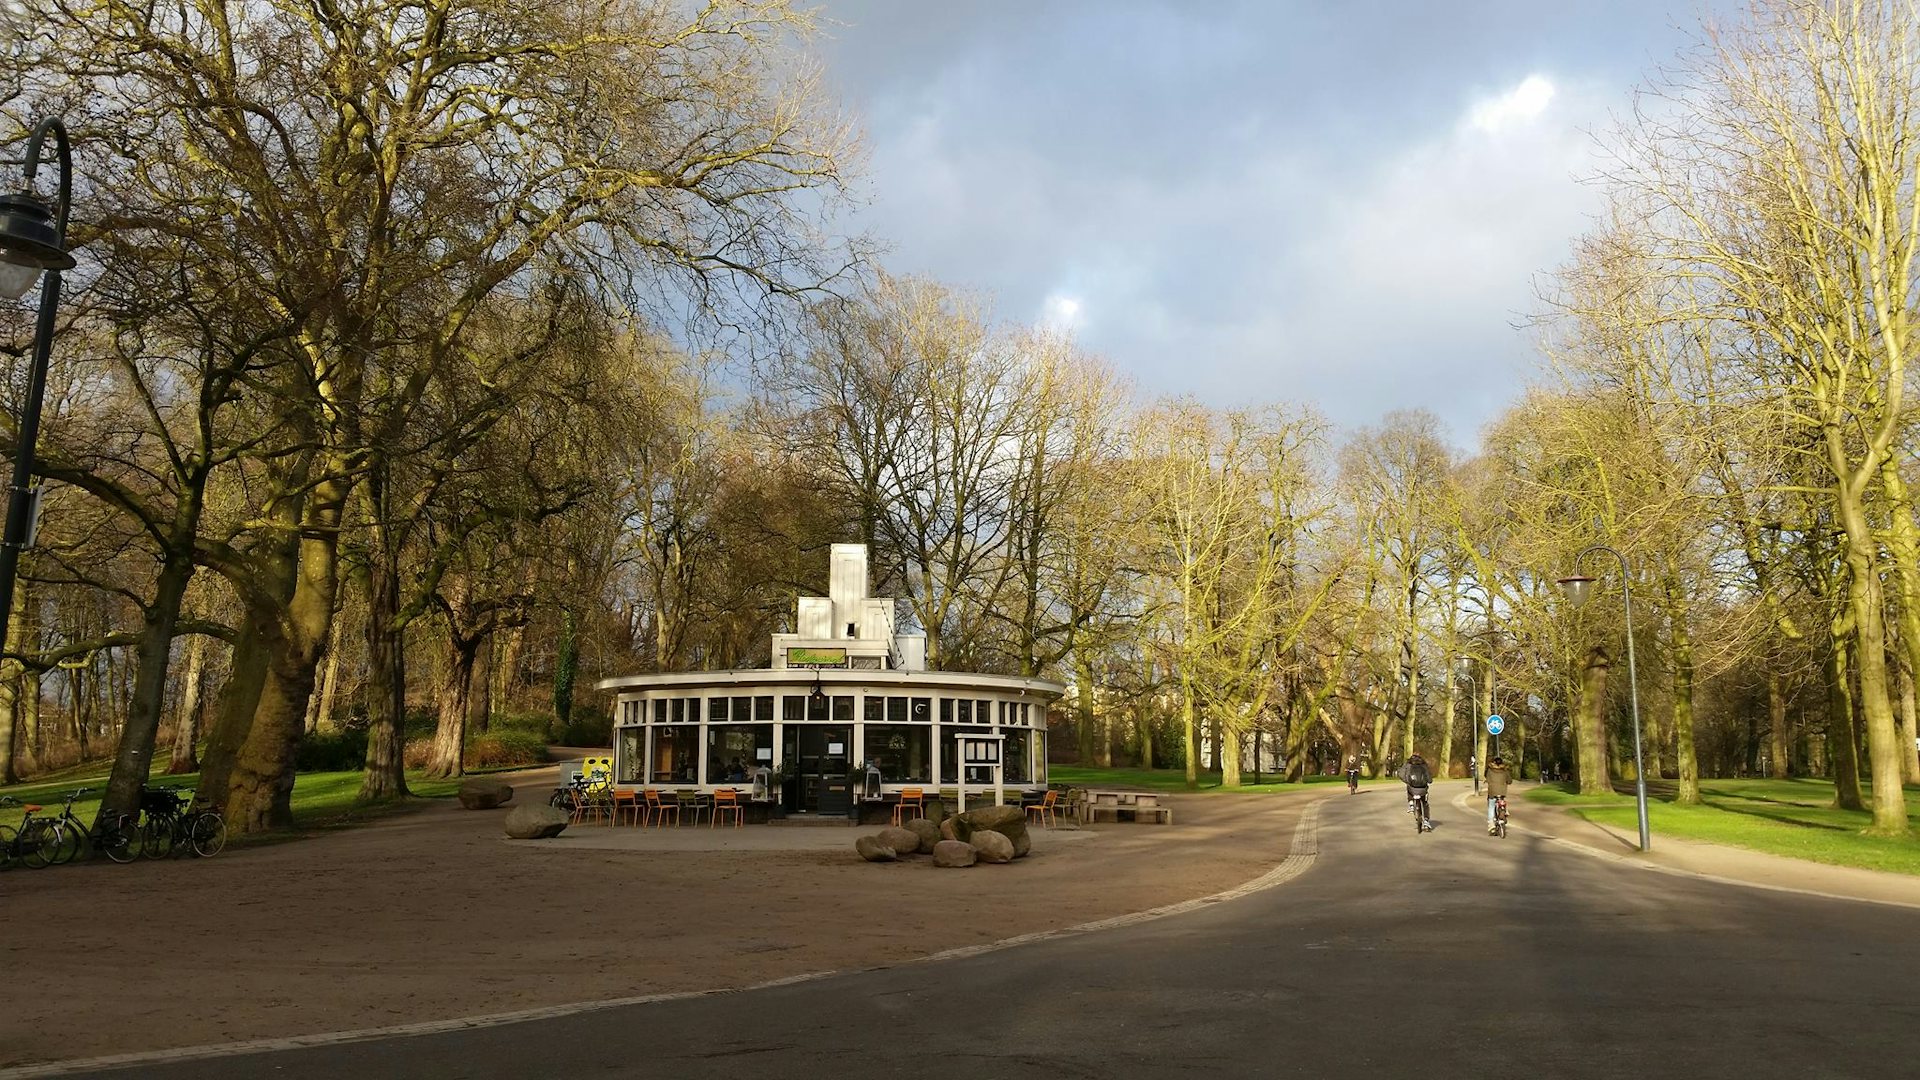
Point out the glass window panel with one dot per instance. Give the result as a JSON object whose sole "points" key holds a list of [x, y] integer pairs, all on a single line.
{"points": [[734, 750], [902, 752], [795, 707], [659, 710], [1014, 756], [763, 709], [678, 714], [743, 711], [632, 754], [897, 710], [922, 710], [946, 710], [676, 757], [876, 709], [950, 756], [966, 712], [717, 710], [843, 709], [816, 709]]}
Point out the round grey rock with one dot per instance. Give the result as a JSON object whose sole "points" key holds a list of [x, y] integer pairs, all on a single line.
{"points": [[872, 850], [954, 853], [535, 822], [992, 847], [903, 841], [482, 793], [927, 831]]}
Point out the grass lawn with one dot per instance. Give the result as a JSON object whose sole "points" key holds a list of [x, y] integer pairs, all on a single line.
{"points": [[320, 799], [1175, 780], [1795, 818]]}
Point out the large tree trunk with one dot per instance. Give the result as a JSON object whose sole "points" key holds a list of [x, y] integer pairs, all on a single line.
{"points": [[386, 775], [566, 664], [480, 699], [1777, 731], [1869, 655], [1083, 705], [1843, 761], [1449, 705], [448, 756], [186, 725], [1590, 723], [1189, 725], [1909, 759], [134, 761], [1480, 721], [12, 715], [260, 786], [1682, 675], [1229, 753]]}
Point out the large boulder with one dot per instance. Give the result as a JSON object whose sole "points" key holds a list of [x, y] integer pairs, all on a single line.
{"points": [[902, 841], [483, 793], [992, 847], [872, 850], [954, 853], [535, 822], [1008, 821], [927, 831]]}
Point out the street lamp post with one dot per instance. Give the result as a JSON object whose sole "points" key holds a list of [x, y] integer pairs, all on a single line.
{"points": [[1578, 587], [33, 239], [1493, 682]]}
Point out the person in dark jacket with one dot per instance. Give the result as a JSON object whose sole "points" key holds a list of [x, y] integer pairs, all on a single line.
{"points": [[1499, 778], [1417, 778]]}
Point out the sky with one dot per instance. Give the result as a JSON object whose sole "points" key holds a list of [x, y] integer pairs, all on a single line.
{"points": [[1341, 204]]}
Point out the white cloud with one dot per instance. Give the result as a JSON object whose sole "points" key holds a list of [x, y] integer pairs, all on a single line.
{"points": [[1516, 106]]}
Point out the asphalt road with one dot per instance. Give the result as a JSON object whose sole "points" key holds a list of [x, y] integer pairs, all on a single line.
{"points": [[1452, 954]]}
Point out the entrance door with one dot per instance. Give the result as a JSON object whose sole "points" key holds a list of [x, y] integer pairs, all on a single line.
{"points": [[823, 751]]}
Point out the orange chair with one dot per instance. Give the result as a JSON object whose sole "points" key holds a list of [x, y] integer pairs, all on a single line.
{"points": [[726, 801], [657, 808], [625, 801], [1049, 813], [913, 797]]}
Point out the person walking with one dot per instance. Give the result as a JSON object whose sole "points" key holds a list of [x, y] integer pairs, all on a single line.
{"points": [[1499, 778]]}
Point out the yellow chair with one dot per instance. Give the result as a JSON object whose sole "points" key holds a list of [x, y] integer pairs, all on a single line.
{"points": [[914, 797], [1049, 813], [726, 801], [625, 801], [657, 808]]}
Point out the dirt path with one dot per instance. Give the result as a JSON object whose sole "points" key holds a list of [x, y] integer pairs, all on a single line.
{"points": [[433, 915]]}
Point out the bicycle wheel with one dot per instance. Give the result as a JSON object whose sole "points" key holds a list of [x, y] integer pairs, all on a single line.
{"points": [[208, 834], [156, 838], [42, 845], [74, 842], [119, 840], [9, 841]]}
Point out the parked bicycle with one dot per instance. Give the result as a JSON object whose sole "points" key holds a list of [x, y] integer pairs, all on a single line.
{"points": [[173, 827], [115, 836], [34, 842]]}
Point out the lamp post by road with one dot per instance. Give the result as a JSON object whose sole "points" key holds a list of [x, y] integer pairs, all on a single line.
{"points": [[33, 240], [1476, 757], [1473, 758], [1578, 587]]}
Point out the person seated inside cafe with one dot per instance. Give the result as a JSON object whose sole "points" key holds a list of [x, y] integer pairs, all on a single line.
{"points": [[736, 771]]}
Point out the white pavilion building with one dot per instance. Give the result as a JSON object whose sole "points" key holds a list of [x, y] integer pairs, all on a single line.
{"points": [[845, 693]]}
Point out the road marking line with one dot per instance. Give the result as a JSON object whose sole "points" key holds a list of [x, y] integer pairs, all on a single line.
{"points": [[1300, 855], [1698, 875]]}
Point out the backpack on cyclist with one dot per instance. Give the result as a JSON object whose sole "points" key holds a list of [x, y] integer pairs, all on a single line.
{"points": [[1417, 774]]}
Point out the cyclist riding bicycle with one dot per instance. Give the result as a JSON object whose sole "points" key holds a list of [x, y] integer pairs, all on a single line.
{"points": [[1353, 775], [1418, 778], [1498, 778]]}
